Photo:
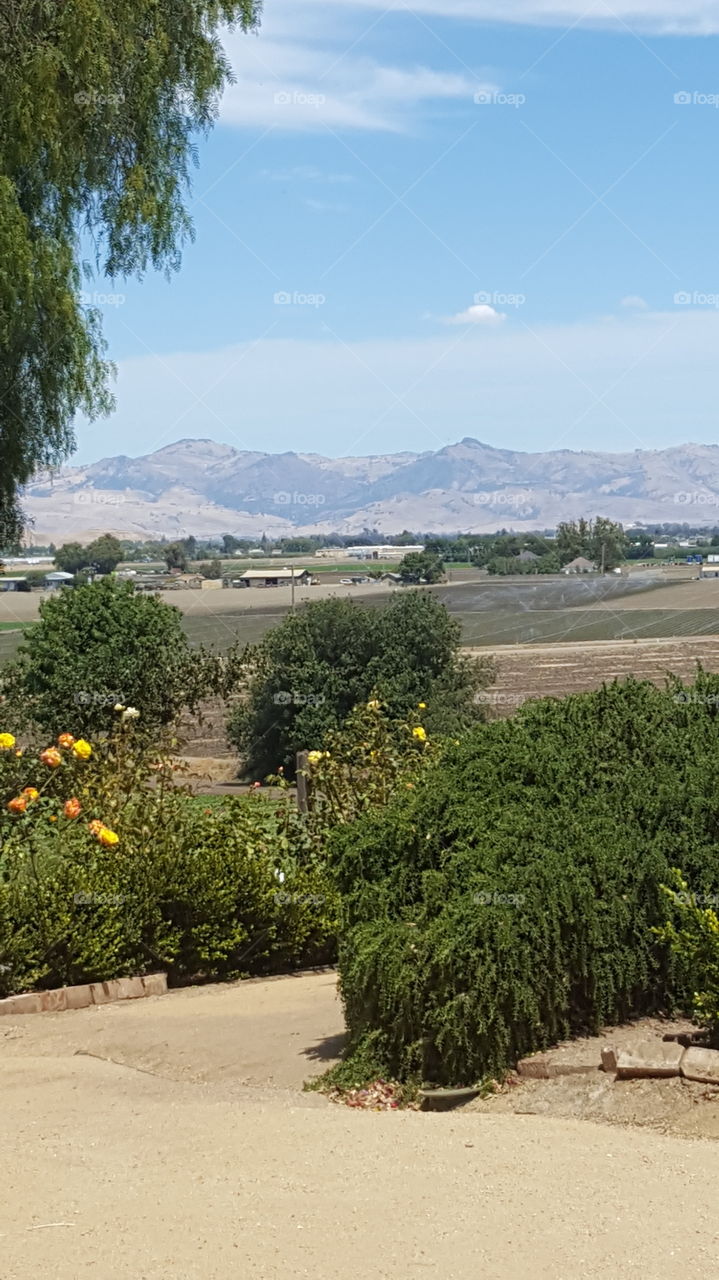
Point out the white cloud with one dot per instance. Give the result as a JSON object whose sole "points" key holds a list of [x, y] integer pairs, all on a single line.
{"points": [[479, 313], [641, 380], [635, 303]]}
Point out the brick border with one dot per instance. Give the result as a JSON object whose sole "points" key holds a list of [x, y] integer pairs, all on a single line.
{"points": [[92, 993]]}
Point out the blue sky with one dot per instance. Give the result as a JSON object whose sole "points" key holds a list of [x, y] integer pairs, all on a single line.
{"points": [[494, 218]]}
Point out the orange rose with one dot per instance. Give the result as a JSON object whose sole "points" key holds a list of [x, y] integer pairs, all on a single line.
{"points": [[95, 827], [72, 808], [66, 740], [51, 757], [31, 793], [18, 804]]}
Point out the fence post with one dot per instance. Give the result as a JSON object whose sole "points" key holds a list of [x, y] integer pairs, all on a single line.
{"points": [[302, 765]]}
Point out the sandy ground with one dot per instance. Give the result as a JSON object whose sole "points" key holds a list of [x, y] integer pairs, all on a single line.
{"points": [[192, 1154]]}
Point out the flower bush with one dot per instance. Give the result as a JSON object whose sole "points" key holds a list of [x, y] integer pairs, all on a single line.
{"points": [[107, 868], [367, 761], [694, 939]]}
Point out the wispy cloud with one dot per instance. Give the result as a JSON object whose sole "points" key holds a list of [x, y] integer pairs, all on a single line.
{"points": [[286, 82], [661, 17]]}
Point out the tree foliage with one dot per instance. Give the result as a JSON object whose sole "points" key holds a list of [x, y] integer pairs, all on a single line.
{"points": [[99, 101], [421, 566], [99, 645], [309, 672]]}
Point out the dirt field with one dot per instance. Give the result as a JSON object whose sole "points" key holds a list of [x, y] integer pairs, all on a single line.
{"points": [[533, 671], [168, 1138]]}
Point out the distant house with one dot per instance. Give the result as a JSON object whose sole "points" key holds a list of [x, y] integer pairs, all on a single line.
{"points": [[274, 578], [57, 579], [710, 570], [580, 565], [14, 584]]}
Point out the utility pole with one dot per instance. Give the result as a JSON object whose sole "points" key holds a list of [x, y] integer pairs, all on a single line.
{"points": [[293, 588], [604, 556]]}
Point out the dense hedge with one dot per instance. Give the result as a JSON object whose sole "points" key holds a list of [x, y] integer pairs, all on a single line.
{"points": [[202, 892], [509, 901]]}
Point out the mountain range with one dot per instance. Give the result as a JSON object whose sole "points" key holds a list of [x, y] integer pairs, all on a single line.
{"points": [[203, 488]]}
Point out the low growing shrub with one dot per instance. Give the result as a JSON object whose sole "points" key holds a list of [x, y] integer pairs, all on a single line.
{"points": [[509, 900]]}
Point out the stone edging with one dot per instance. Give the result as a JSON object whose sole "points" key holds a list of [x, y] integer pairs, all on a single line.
{"points": [[92, 993]]}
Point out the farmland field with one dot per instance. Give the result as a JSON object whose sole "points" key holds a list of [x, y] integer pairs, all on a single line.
{"points": [[494, 612], [554, 670]]}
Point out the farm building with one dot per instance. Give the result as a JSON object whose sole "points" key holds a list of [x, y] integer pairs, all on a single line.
{"points": [[381, 553], [14, 584], [580, 565], [274, 578], [58, 578]]}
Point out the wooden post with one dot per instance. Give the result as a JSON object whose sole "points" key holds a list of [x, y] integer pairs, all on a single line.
{"points": [[302, 766]]}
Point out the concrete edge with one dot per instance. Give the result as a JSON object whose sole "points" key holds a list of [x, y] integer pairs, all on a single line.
{"points": [[92, 993]]}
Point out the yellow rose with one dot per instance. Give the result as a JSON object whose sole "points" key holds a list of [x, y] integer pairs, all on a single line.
{"points": [[7, 742], [420, 734], [82, 749], [314, 757], [108, 837]]}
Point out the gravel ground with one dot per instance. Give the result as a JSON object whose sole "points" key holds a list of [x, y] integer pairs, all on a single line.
{"points": [[192, 1154]]}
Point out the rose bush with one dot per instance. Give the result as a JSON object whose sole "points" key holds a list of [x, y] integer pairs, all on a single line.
{"points": [[107, 868]]}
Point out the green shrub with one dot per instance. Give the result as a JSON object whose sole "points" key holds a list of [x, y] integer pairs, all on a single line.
{"points": [[509, 901], [102, 644]]}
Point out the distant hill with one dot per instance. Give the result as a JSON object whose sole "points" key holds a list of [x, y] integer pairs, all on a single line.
{"points": [[203, 488]]}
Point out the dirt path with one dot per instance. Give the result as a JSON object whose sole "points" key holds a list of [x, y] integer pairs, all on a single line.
{"points": [[193, 1156]]}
